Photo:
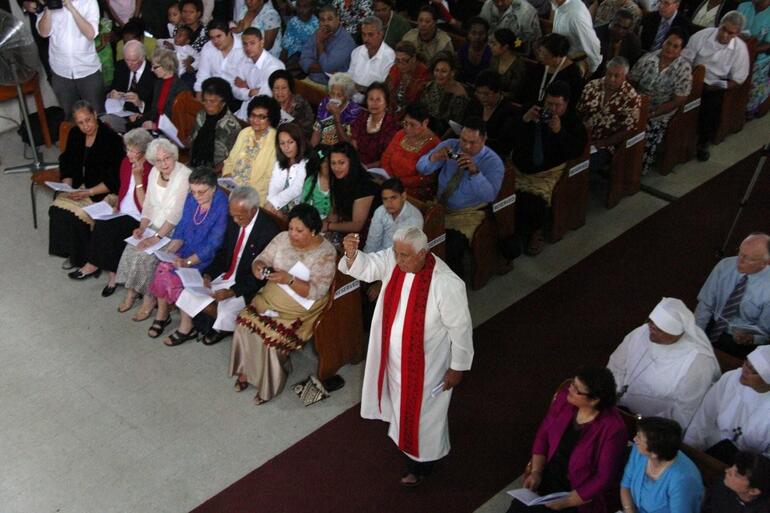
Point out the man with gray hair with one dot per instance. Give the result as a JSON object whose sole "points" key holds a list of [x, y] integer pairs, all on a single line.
{"points": [[726, 59], [421, 341], [610, 108], [133, 81], [248, 233], [371, 61]]}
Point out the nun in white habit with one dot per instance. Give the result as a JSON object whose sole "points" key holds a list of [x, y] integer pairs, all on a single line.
{"points": [[736, 411], [664, 367]]}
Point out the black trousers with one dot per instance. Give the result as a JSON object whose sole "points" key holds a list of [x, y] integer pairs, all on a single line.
{"points": [[456, 246], [419, 468], [531, 214], [710, 114], [108, 242]]}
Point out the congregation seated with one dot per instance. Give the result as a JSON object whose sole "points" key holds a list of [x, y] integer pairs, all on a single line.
{"points": [[610, 108], [255, 70], [608, 10], [666, 77], [394, 24], [134, 83], [744, 489], [545, 138], [518, 16], [246, 236], [735, 413], [726, 59], [221, 57], [371, 61], [507, 63], [553, 64], [470, 175], [162, 209], [108, 235], [180, 45], [284, 191], [473, 57], [498, 114], [261, 15], [316, 191], [336, 112], [572, 20], [394, 213], [191, 12], [758, 27], [444, 97], [90, 164], [578, 447], [410, 143], [659, 477], [618, 39], [354, 196], [167, 86], [281, 84], [134, 30], [252, 158], [656, 25], [301, 265], [215, 129], [427, 38], [374, 128], [734, 302], [406, 79], [196, 239], [664, 367], [299, 29], [328, 51]]}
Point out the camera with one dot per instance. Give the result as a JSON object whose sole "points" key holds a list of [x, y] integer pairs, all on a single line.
{"points": [[545, 116], [452, 155], [54, 4]]}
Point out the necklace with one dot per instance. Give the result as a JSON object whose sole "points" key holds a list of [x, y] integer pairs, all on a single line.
{"points": [[373, 128], [197, 219]]}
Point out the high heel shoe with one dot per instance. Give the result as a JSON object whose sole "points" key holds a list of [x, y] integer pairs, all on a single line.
{"points": [[80, 275]]}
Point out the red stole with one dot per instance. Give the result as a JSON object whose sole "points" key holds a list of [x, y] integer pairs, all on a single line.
{"points": [[412, 350]]}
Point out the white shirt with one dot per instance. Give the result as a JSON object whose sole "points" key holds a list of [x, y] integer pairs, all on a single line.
{"points": [[722, 62], [256, 74], [448, 343], [165, 204], [731, 411], [214, 64], [279, 193], [365, 70], [573, 21], [662, 380], [128, 204], [70, 53], [138, 73], [246, 236], [182, 53]]}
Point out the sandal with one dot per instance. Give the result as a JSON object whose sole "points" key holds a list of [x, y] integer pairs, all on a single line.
{"points": [[125, 306], [142, 314], [214, 336], [240, 386], [158, 326], [412, 484], [178, 337]]}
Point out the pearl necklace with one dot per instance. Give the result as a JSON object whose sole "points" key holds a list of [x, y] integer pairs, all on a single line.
{"points": [[196, 216], [376, 128]]}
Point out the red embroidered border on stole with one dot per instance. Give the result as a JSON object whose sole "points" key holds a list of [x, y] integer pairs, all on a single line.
{"points": [[389, 308]]}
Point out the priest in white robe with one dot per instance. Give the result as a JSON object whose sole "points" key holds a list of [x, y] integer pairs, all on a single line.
{"points": [[665, 366], [420, 344], [735, 414]]}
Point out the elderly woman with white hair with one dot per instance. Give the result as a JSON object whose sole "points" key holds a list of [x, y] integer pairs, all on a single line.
{"points": [[163, 203], [664, 367], [167, 87], [108, 236], [336, 112]]}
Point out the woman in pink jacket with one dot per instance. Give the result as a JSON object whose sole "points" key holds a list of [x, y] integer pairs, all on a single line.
{"points": [[579, 447]]}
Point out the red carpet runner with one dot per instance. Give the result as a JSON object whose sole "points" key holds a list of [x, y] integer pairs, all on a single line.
{"points": [[349, 465]]}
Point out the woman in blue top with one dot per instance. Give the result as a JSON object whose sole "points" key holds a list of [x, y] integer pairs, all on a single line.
{"points": [[197, 238], [658, 477]]}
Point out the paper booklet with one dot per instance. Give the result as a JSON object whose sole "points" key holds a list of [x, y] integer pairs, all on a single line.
{"points": [[169, 130], [286, 117], [194, 299], [227, 182], [379, 172], [530, 498], [299, 270], [148, 233], [102, 211], [60, 187], [115, 106]]}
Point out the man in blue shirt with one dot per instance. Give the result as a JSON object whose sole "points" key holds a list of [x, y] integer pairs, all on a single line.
{"points": [[328, 51], [734, 303], [470, 176]]}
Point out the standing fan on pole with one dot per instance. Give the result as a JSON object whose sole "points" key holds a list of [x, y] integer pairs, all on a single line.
{"points": [[19, 62]]}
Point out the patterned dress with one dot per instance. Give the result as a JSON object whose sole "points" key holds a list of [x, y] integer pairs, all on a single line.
{"points": [[758, 25], [607, 117], [325, 121], [352, 13]]}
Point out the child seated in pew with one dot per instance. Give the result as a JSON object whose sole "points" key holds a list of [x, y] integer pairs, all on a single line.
{"points": [[180, 44]]}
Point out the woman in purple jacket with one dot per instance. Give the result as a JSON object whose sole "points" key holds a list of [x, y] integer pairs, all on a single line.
{"points": [[579, 447]]}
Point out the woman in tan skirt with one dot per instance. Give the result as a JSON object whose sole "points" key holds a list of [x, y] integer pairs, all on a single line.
{"points": [[299, 266]]}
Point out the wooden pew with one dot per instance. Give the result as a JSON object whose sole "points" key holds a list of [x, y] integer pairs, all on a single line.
{"points": [[498, 224], [313, 93], [681, 139], [626, 168], [570, 197], [735, 100], [183, 113], [727, 362], [31, 86], [710, 468], [433, 225], [39, 178]]}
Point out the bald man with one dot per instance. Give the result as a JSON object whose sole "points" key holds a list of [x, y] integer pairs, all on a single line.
{"points": [[734, 303]]}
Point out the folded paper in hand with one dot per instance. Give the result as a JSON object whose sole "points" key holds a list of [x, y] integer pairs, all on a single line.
{"points": [[102, 211], [299, 270], [530, 498], [133, 241], [115, 106], [60, 186], [169, 130]]}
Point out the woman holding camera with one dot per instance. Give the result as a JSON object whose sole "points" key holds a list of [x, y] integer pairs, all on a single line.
{"points": [[299, 266]]}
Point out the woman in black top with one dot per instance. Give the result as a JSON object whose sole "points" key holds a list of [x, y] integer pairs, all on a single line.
{"points": [[551, 51]]}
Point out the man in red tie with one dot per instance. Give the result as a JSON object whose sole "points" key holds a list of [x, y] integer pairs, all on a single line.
{"points": [[248, 233]]}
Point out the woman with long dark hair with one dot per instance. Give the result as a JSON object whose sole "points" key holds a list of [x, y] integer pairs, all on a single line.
{"points": [[352, 190]]}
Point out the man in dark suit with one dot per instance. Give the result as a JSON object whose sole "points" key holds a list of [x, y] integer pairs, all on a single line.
{"points": [[655, 25], [248, 233], [617, 39], [134, 80]]}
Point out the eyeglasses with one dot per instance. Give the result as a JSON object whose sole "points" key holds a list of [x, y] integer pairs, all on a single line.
{"points": [[574, 388], [200, 193]]}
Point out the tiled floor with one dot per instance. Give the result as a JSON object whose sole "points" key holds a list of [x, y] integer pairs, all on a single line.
{"points": [[96, 417]]}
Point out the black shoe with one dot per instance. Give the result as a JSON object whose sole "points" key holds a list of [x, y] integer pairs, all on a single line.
{"points": [[80, 275], [702, 153], [109, 290], [214, 336]]}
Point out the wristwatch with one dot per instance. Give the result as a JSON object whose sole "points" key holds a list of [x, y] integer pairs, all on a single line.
{"points": [[189, 262]]}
